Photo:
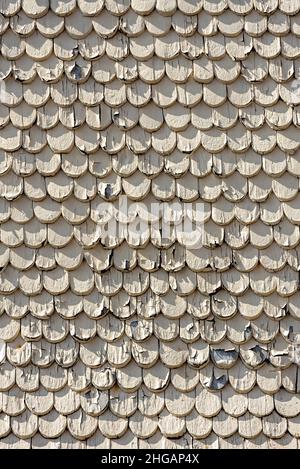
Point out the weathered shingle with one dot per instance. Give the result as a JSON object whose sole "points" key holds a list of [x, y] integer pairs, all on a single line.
{"points": [[138, 340]]}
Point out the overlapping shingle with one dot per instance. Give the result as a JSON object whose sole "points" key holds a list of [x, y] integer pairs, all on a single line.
{"points": [[118, 340]]}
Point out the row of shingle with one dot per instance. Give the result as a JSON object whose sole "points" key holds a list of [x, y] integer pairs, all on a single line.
{"points": [[69, 305], [38, 8], [83, 426], [167, 101], [124, 258], [238, 235], [156, 378], [76, 340], [163, 141], [148, 305], [200, 163], [151, 117], [149, 398], [129, 378], [224, 355], [144, 47], [129, 441], [40, 400], [39, 191], [75, 69], [78, 25], [263, 328], [136, 282], [132, 24]]}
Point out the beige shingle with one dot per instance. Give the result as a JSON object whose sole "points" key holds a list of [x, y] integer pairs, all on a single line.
{"points": [[114, 340]]}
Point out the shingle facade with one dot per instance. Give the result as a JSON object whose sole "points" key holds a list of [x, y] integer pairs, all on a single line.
{"points": [[113, 340]]}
